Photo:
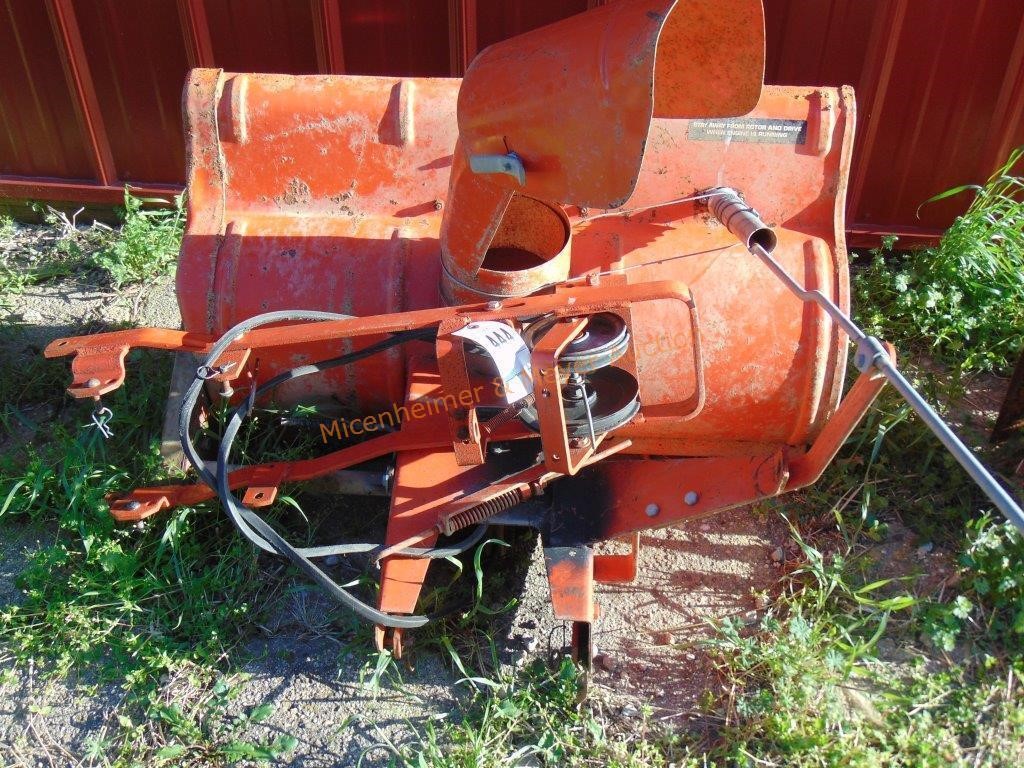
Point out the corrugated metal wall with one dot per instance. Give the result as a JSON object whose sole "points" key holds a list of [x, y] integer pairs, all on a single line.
{"points": [[90, 89]]}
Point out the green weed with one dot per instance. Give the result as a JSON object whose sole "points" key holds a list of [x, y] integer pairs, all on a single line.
{"points": [[811, 684], [988, 600], [810, 693], [144, 246], [535, 718], [130, 605], [126, 598], [147, 243], [193, 722], [963, 302]]}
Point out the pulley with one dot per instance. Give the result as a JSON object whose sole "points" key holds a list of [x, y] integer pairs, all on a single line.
{"points": [[602, 342]]}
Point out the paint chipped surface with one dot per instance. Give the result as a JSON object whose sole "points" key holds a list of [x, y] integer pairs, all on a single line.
{"points": [[321, 179]]}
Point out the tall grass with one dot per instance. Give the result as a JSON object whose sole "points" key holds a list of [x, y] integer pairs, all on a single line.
{"points": [[962, 301]]}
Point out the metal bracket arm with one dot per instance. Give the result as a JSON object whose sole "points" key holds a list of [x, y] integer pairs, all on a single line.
{"points": [[574, 301]]}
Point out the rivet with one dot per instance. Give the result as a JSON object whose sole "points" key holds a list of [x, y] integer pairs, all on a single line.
{"points": [[691, 498], [131, 506], [652, 510], [92, 383], [493, 305]]}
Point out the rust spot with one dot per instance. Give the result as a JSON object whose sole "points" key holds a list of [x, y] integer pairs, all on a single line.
{"points": [[297, 193]]}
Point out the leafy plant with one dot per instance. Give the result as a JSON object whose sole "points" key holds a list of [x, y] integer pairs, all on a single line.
{"points": [[194, 721], [812, 684], [147, 243], [990, 591], [144, 246], [133, 599], [963, 301]]}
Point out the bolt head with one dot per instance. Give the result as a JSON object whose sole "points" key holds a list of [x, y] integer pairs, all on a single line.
{"points": [[691, 498], [92, 383], [493, 305], [131, 506], [652, 510]]}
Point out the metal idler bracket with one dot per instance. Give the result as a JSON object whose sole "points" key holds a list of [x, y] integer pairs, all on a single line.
{"points": [[871, 354], [462, 420], [562, 454]]}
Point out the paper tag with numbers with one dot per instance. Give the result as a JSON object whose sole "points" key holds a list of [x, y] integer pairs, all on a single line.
{"points": [[508, 351]]}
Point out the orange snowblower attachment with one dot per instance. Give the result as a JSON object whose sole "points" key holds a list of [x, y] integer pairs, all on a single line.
{"points": [[539, 295]]}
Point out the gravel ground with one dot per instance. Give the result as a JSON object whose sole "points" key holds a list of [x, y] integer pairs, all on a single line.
{"points": [[646, 635]]}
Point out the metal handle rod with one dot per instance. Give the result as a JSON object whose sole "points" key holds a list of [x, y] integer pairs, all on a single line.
{"points": [[871, 354]]}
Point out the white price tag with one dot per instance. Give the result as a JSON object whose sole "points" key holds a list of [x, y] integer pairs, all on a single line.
{"points": [[509, 352]]}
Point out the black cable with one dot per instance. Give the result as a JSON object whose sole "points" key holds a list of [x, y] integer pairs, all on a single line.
{"points": [[253, 527], [244, 409]]}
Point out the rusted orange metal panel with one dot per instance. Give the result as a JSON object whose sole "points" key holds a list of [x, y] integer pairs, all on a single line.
{"points": [[339, 193], [375, 172], [579, 185]]}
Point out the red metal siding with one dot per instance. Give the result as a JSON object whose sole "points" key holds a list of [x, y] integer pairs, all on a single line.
{"points": [[499, 21], [141, 116], [402, 37], [40, 133], [91, 88], [938, 126], [940, 94], [267, 36]]}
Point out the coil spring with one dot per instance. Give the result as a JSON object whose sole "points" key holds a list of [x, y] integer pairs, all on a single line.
{"points": [[482, 511], [499, 420]]}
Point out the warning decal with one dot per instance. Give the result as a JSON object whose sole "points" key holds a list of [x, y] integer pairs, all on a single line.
{"points": [[749, 130]]}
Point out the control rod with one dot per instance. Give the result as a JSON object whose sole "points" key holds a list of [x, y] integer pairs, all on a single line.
{"points": [[744, 222]]}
